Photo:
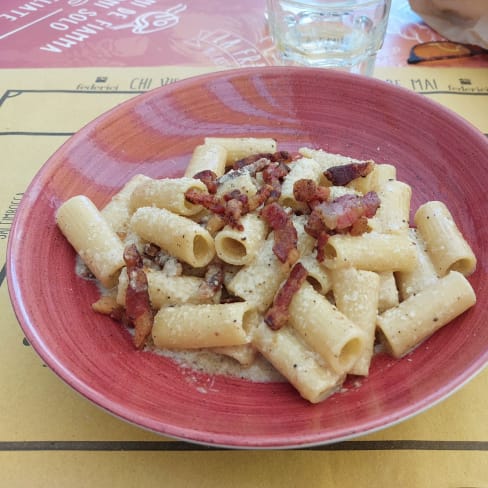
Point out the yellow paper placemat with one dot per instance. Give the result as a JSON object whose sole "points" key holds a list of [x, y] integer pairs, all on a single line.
{"points": [[50, 436]]}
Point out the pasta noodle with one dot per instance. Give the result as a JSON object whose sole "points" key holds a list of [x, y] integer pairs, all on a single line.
{"points": [[117, 212], [303, 263], [178, 235], [357, 295], [241, 147], [422, 275], [325, 329], [168, 193], [374, 252], [294, 360], [303, 168], [165, 290], [239, 247], [217, 325], [92, 237], [445, 244], [419, 316], [394, 213], [211, 157]]}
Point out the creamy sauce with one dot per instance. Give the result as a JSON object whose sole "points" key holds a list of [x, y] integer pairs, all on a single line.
{"points": [[202, 361]]}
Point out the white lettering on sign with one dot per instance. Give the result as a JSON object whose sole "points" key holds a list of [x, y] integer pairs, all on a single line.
{"points": [[154, 21], [76, 24], [65, 23], [26, 9], [76, 36], [225, 48]]}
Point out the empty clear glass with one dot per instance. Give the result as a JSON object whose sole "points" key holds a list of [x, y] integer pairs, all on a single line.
{"points": [[329, 33]]}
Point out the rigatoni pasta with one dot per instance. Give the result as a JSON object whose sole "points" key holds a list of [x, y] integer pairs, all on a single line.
{"points": [[117, 212], [327, 331], [303, 168], [242, 147], [375, 251], [240, 246], [217, 325], [421, 275], [92, 237], [165, 290], [207, 157], [168, 193], [357, 294], [305, 262], [420, 315], [179, 236], [303, 368], [393, 216], [446, 246]]}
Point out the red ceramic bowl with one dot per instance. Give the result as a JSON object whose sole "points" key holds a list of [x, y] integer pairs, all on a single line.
{"points": [[438, 153]]}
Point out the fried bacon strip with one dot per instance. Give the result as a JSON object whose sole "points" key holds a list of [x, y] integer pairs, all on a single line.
{"points": [[285, 234], [344, 211], [348, 213], [260, 197], [307, 191], [209, 179], [107, 305], [236, 205], [275, 171], [213, 281], [209, 201], [278, 314], [322, 239], [273, 175], [137, 304], [231, 206], [344, 174], [277, 157], [247, 161]]}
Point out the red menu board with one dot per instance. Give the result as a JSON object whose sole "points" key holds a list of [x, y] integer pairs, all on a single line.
{"points": [[60, 33], [68, 33]]}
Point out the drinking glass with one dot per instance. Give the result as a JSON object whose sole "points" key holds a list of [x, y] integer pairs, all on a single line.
{"points": [[337, 34]]}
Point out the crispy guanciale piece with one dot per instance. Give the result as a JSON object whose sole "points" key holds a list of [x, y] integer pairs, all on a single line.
{"points": [[262, 196], [209, 201], [107, 305], [230, 207], [215, 223], [322, 239], [277, 315], [209, 179], [344, 211], [360, 227], [155, 254], [280, 156], [285, 234], [273, 175], [307, 191], [137, 304], [212, 283], [275, 171], [236, 206], [344, 174]]}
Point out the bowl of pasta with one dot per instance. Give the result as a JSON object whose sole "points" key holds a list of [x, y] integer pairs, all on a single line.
{"points": [[259, 258]]}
